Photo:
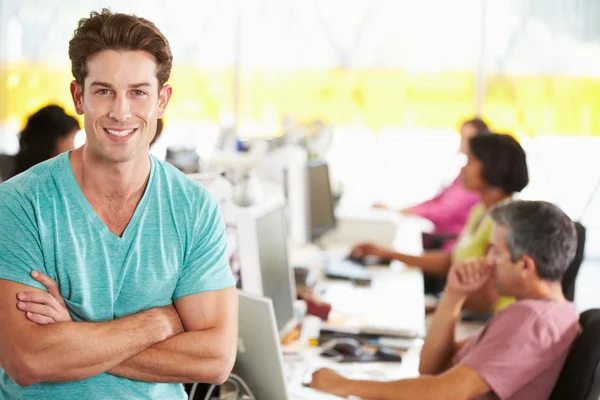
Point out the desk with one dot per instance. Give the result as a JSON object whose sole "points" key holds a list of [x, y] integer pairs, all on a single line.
{"points": [[396, 294], [394, 299]]}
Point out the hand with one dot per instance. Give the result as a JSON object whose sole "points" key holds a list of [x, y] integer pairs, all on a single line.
{"points": [[466, 277], [329, 381], [171, 317], [368, 249], [44, 308], [379, 206]]}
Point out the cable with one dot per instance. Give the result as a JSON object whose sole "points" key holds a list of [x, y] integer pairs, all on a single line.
{"points": [[244, 385], [233, 378], [209, 392]]}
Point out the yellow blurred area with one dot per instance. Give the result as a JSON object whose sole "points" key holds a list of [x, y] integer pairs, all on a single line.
{"points": [[377, 98]]}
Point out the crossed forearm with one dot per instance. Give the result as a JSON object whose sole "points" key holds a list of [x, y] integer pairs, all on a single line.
{"points": [[71, 351], [197, 356], [151, 346]]}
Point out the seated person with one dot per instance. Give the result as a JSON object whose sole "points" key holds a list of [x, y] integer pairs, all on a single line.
{"points": [[520, 352], [48, 133], [449, 210], [496, 168]]}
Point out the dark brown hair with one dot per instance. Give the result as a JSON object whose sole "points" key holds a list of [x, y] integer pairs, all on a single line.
{"points": [[39, 137], [115, 31], [480, 126], [504, 161]]}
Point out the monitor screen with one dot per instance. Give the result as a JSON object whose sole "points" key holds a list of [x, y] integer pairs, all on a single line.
{"points": [[277, 277], [322, 217]]}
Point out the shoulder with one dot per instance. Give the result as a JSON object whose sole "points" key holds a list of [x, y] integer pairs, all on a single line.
{"points": [[556, 315], [30, 185], [477, 210], [542, 316], [476, 214], [181, 188], [520, 309]]}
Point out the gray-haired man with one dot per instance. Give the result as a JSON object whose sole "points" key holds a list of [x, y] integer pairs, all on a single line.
{"points": [[520, 352]]}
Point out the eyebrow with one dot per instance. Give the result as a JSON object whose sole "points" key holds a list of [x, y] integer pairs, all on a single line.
{"points": [[132, 86]]}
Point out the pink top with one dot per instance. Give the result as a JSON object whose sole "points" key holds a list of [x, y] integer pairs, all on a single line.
{"points": [[449, 210], [522, 349]]}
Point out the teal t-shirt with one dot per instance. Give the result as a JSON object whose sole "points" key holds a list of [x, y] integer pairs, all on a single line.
{"points": [[174, 246]]}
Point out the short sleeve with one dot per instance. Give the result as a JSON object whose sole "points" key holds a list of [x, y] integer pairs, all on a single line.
{"points": [[206, 266], [514, 349], [20, 246]]}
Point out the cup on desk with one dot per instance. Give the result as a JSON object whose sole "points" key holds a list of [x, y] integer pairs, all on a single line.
{"points": [[300, 309], [311, 326]]}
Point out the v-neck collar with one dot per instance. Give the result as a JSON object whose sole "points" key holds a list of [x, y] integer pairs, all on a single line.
{"points": [[74, 188]]}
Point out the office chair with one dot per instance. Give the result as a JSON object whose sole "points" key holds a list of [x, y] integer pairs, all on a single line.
{"points": [[434, 284], [568, 281], [580, 376]]}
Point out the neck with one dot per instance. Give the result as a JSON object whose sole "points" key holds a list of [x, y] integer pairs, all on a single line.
{"points": [[102, 179], [491, 197], [544, 290]]}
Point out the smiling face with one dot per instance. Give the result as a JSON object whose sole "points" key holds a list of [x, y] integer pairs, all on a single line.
{"points": [[120, 102]]}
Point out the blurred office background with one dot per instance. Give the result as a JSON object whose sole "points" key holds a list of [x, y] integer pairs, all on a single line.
{"points": [[392, 79]]}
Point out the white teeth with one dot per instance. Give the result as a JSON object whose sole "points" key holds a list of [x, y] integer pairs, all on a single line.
{"points": [[119, 133]]}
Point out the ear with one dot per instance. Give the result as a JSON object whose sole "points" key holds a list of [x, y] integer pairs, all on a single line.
{"points": [[528, 266], [77, 95], [163, 99]]}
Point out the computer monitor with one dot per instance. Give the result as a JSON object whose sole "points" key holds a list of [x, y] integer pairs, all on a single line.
{"points": [[321, 204], [286, 168], [259, 359], [264, 268]]}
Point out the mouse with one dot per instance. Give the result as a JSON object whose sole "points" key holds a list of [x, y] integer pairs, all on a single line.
{"points": [[356, 259], [349, 348], [343, 347], [387, 354]]}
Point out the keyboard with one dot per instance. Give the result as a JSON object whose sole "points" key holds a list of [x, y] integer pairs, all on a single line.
{"points": [[350, 270]]}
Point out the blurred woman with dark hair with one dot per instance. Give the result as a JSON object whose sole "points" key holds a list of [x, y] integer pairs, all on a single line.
{"points": [[48, 132], [496, 169], [449, 210]]}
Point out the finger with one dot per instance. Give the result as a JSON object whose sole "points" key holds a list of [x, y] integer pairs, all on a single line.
{"points": [[473, 272], [460, 274], [465, 273], [39, 298], [50, 284], [39, 319], [38, 309]]}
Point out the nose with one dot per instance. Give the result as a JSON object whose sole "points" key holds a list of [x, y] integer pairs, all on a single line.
{"points": [[120, 110]]}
